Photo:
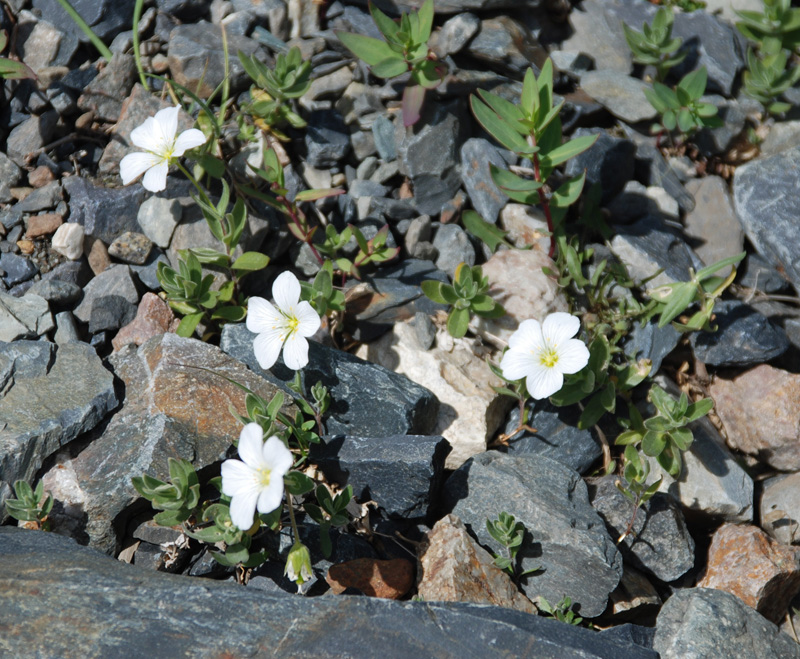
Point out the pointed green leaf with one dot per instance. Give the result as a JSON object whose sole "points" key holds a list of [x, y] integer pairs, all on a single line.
{"points": [[390, 67], [368, 49], [566, 151], [569, 191]]}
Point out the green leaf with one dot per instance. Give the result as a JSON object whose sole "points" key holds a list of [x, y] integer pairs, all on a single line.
{"points": [[694, 83], [507, 111], [458, 322], [231, 314], [425, 15], [682, 437], [592, 412], [321, 193], [714, 267], [298, 483], [212, 166], [508, 136], [251, 261], [683, 294], [699, 409], [569, 191], [653, 443], [188, 324], [529, 99], [390, 67], [14, 70], [372, 51], [567, 151], [433, 290], [387, 27], [212, 256], [413, 98], [490, 234]]}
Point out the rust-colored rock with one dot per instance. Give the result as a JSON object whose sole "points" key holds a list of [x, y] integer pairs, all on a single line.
{"points": [[745, 562], [40, 177], [43, 224], [376, 578], [98, 256], [764, 426], [455, 568], [153, 317]]}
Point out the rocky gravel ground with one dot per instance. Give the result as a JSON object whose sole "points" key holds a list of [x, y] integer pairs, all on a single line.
{"points": [[96, 387]]}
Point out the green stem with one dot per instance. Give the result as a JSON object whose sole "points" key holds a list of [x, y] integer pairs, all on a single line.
{"points": [[295, 534], [137, 16], [83, 25], [193, 181]]}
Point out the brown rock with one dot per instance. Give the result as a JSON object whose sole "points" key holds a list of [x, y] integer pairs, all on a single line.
{"points": [[131, 247], [764, 425], [455, 568], [153, 317], [745, 562], [40, 177], [43, 224], [375, 578], [26, 246], [98, 256]]}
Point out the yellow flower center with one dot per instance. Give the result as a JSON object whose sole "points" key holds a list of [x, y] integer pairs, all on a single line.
{"points": [[292, 323], [263, 476], [548, 357]]}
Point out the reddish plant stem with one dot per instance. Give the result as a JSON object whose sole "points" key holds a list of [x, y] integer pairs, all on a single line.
{"points": [[537, 175], [290, 211]]}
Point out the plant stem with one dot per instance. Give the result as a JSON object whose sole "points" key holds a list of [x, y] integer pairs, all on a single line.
{"points": [[295, 534], [137, 16], [629, 528], [292, 213], [195, 183], [543, 200], [84, 26]]}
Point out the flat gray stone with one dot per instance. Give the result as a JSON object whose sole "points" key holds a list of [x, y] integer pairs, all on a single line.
{"points": [[367, 399], [599, 35], [50, 396], [697, 623], [487, 199], [47, 583], [566, 537], [115, 280], [620, 94], [24, 318]]}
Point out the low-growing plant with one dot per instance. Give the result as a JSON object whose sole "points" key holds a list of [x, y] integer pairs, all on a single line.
{"points": [[562, 611], [510, 534], [178, 498], [31, 505], [273, 89], [682, 108], [655, 45], [633, 484], [405, 49], [468, 295], [769, 76], [774, 29]]}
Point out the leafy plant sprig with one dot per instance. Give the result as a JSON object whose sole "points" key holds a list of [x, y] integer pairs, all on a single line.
{"points": [[510, 534], [775, 29], [178, 498], [681, 107], [769, 76], [467, 295], [274, 88], [562, 611], [405, 49], [329, 511], [532, 130], [655, 45], [30, 505], [634, 484]]}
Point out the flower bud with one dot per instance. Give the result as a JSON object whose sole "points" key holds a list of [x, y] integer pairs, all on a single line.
{"points": [[298, 564]]}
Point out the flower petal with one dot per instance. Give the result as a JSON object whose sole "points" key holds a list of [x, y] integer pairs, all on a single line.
{"points": [[573, 355], [251, 444], [237, 478], [167, 122], [295, 352], [267, 346], [243, 509], [277, 456], [263, 317], [271, 496], [528, 336], [188, 139], [308, 321], [155, 178], [134, 165], [559, 327], [544, 381], [517, 364], [286, 292], [148, 136]]}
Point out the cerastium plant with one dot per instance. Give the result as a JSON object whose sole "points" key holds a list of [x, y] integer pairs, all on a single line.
{"points": [[532, 130], [510, 534], [681, 108], [655, 45], [404, 50], [30, 506]]}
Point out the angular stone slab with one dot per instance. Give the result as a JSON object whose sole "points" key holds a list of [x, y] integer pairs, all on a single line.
{"points": [[48, 396], [24, 318], [402, 474], [566, 537], [63, 600], [172, 409], [697, 623], [366, 399]]}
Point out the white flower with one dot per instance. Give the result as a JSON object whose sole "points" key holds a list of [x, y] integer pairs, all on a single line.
{"points": [[255, 481], [285, 326], [157, 137], [298, 564], [542, 354]]}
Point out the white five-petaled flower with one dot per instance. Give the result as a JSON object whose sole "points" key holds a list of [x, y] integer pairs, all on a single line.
{"points": [[543, 353], [161, 148], [255, 481], [286, 326]]}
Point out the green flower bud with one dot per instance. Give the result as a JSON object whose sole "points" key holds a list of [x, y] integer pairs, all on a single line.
{"points": [[298, 564]]}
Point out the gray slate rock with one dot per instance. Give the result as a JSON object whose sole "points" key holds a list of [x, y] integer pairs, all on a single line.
{"points": [[403, 474], [765, 198], [654, 170], [599, 34], [57, 293], [51, 394], [27, 317], [327, 139], [566, 537], [31, 134], [620, 94], [43, 198], [477, 155], [506, 45], [609, 162], [557, 436], [755, 272], [745, 337], [110, 312], [16, 268], [72, 583], [115, 280], [106, 93], [660, 543], [106, 17], [105, 213], [697, 623], [454, 247], [455, 34], [383, 132], [367, 399]]}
